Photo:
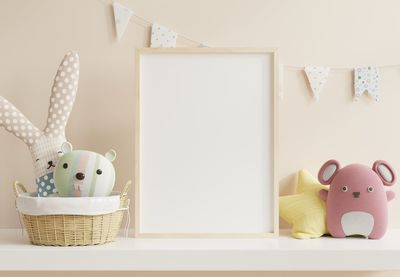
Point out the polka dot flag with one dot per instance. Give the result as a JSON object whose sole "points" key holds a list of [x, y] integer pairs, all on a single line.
{"points": [[317, 76], [366, 79], [162, 37]]}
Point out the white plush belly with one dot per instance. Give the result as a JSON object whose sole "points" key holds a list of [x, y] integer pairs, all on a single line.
{"points": [[357, 223]]}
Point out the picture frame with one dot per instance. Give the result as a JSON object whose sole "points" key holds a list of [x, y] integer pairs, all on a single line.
{"points": [[206, 145]]}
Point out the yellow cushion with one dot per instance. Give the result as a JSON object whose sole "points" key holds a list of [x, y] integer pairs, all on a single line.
{"points": [[305, 211]]}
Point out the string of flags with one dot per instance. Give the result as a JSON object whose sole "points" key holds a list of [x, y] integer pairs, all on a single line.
{"points": [[366, 78], [161, 36]]}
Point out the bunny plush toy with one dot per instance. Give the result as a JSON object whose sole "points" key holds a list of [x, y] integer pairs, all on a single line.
{"points": [[45, 146]]}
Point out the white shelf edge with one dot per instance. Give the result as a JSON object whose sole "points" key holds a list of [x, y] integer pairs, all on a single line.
{"points": [[130, 254]]}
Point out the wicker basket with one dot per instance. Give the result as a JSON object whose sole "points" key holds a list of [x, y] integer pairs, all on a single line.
{"points": [[73, 230]]}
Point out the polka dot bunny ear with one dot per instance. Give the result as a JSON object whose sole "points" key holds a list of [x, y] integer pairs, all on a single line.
{"points": [[16, 123], [63, 95]]}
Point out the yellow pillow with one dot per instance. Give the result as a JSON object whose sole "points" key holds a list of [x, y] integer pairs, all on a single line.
{"points": [[305, 211]]}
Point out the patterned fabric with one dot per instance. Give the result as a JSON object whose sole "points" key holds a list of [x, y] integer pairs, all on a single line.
{"points": [[366, 79], [45, 153], [162, 37], [45, 146], [317, 76], [122, 15], [45, 185], [63, 95], [15, 122]]}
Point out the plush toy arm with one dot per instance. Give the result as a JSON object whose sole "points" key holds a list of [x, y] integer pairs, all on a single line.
{"points": [[323, 194], [63, 95], [390, 195], [16, 123]]}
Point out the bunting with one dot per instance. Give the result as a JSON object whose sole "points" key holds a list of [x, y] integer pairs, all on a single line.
{"points": [[366, 79], [317, 76], [122, 15], [162, 37]]}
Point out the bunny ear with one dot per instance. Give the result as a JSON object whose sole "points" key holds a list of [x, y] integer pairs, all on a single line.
{"points": [[63, 95], [16, 123]]}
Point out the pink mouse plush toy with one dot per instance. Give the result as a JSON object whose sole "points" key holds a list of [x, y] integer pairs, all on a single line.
{"points": [[357, 199]]}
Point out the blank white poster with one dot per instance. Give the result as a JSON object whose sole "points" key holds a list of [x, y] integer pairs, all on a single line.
{"points": [[206, 143]]}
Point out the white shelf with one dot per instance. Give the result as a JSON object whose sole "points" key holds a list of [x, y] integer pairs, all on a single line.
{"points": [[280, 254]]}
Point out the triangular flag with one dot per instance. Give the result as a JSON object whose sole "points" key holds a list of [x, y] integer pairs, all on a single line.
{"points": [[317, 76], [366, 79], [122, 15], [162, 36]]}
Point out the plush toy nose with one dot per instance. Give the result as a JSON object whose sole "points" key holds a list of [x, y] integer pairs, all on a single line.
{"points": [[356, 194], [50, 163], [80, 176]]}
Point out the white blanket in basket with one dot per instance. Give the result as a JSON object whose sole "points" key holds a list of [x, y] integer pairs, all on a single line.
{"points": [[28, 203]]}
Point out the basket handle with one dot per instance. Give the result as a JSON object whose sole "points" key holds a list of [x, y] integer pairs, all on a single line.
{"points": [[125, 189], [17, 186]]}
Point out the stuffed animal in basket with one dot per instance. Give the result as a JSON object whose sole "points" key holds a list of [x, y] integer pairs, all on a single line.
{"points": [[45, 146], [84, 173], [357, 199]]}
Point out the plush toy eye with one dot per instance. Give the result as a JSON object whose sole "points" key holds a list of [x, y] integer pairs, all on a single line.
{"points": [[370, 189], [65, 165], [345, 188], [37, 160], [99, 171]]}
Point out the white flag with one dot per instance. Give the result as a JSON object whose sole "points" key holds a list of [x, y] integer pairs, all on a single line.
{"points": [[162, 36], [317, 76], [122, 15], [366, 79]]}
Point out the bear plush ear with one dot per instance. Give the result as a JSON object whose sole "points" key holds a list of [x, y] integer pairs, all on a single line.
{"points": [[328, 172], [111, 155], [66, 147], [385, 172]]}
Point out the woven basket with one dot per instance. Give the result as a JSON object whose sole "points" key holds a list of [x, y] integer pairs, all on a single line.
{"points": [[73, 230]]}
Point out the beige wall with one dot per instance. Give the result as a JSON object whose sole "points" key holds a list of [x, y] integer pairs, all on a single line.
{"points": [[203, 274], [36, 34]]}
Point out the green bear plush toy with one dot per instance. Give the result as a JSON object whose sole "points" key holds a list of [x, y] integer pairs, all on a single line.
{"points": [[84, 173]]}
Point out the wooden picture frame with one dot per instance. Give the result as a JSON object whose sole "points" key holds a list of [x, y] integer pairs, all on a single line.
{"points": [[187, 100]]}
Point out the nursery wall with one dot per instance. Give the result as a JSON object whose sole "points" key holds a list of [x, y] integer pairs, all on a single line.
{"points": [[36, 34]]}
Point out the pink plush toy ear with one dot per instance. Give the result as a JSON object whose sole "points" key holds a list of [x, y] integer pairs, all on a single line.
{"points": [[328, 171], [385, 172]]}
